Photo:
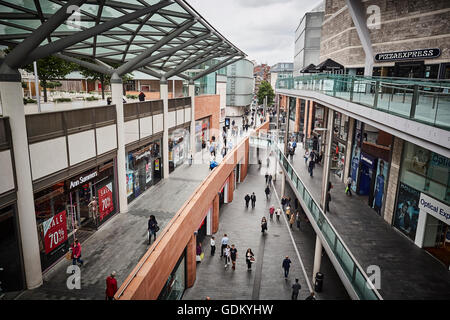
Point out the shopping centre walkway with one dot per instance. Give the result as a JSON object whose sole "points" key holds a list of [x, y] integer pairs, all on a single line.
{"points": [[407, 271], [266, 280]]}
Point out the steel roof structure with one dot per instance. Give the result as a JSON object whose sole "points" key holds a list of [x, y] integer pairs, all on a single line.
{"points": [[162, 38]]}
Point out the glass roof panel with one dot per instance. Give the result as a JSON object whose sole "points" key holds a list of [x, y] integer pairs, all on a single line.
{"points": [[28, 4], [104, 39], [131, 26], [86, 51], [130, 56], [177, 19], [159, 18], [90, 8], [121, 47], [135, 47], [135, 2], [6, 9], [101, 50], [176, 7], [141, 38], [149, 28], [34, 24], [65, 28], [109, 12], [48, 6]]}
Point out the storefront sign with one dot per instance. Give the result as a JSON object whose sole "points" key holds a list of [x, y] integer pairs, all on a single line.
{"points": [[55, 231], [408, 55], [366, 159], [105, 200], [82, 179], [439, 161], [435, 208]]}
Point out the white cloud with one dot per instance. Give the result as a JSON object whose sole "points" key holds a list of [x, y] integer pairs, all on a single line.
{"points": [[263, 29]]}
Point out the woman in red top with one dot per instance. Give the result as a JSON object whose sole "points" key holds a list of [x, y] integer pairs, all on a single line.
{"points": [[76, 253], [111, 286]]}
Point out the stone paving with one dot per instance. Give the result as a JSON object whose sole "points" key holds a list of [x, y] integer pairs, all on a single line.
{"points": [[407, 271], [266, 280]]}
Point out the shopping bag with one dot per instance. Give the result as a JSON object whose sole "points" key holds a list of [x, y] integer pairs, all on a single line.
{"points": [[69, 255], [198, 259], [202, 255], [346, 189]]}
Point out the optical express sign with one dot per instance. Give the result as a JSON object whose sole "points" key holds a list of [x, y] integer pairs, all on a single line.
{"points": [[435, 208], [408, 55]]}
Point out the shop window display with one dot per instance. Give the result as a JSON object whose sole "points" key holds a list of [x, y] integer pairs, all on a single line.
{"points": [[178, 148]]}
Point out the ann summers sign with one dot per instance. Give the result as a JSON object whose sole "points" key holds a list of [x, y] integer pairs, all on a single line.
{"points": [[408, 55]]}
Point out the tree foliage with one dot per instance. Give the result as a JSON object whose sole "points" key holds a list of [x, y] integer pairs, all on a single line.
{"points": [[265, 89]]}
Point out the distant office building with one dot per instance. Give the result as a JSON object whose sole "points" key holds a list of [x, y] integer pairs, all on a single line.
{"points": [[280, 70], [307, 39], [239, 87]]}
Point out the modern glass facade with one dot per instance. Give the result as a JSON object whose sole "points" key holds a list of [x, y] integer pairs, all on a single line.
{"points": [[176, 283]]}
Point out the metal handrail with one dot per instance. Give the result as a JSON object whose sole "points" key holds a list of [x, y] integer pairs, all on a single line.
{"points": [[325, 217]]}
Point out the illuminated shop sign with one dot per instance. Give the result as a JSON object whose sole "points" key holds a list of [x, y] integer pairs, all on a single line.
{"points": [[82, 179], [408, 55]]}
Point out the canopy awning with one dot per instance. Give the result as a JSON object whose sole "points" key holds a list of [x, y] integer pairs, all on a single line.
{"points": [[309, 69], [160, 37], [329, 65]]}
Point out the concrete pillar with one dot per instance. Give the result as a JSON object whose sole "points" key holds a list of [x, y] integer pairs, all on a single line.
{"points": [[12, 104], [297, 115], [191, 262], [286, 133], [231, 182], [164, 91], [117, 99], [394, 175], [192, 95], [327, 156], [317, 258]]}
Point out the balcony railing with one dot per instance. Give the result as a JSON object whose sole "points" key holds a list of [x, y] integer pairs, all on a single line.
{"points": [[421, 100], [353, 271]]}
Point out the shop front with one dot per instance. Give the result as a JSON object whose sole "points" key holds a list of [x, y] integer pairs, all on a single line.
{"points": [[176, 283], [205, 227], [11, 263], [340, 134], [178, 148], [423, 200], [223, 194], [143, 169], [82, 202], [202, 133]]}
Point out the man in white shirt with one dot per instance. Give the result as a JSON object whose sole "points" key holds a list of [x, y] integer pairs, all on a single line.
{"points": [[213, 245], [224, 244]]}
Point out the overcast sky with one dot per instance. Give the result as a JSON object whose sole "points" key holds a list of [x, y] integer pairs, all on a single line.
{"points": [[263, 29]]}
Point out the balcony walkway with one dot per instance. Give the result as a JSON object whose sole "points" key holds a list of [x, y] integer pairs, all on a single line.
{"points": [[266, 280], [407, 271]]}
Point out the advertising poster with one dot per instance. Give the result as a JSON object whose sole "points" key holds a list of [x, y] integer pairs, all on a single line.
{"points": [[380, 185], [157, 164], [407, 210], [129, 184], [148, 172], [55, 231], [105, 201], [356, 155]]}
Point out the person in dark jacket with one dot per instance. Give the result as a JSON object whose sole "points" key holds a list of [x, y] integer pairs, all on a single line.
{"points": [[311, 296], [311, 167], [247, 200], [263, 224], [286, 265], [327, 202], [152, 228], [295, 289], [267, 192], [253, 198], [141, 96]]}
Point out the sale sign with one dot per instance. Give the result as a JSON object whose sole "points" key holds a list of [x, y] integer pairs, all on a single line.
{"points": [[55, 231], [105, 201]]}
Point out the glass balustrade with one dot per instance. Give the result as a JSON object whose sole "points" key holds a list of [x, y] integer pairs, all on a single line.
{"points": [[422, 100]]}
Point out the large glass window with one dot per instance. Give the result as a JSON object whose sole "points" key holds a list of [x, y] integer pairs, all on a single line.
{"points": [[178, 148], [176, 283]]}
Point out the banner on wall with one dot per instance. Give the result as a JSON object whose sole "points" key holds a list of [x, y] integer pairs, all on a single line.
{"points": [[105, 201], [435, 208], [55, 231], [129, 184], [407, 210], [380, 185], [356, 155]]}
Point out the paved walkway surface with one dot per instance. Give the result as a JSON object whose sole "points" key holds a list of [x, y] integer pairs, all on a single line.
{"points": [[407, 271], [121, 242], [266, 280]]}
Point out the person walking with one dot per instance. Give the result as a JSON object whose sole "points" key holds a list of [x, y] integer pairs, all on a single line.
{"points": [[278, 213], [249, 259], [227, 256], [199, 252], [270, 178], [286, 265], [283, 201], [271, 212], [213, 245], [288, 211], [111, 286], [247, 200], [348, 190], [224, 243], [263, 224], [233, 256], [267, 192], [141, 96], [306, 156], [267, 177], [292, 220], [295, 289], [327, 202], [311, 168], [253, 198], [76, 253], [268, 162], [298, 217], [152, 228]]}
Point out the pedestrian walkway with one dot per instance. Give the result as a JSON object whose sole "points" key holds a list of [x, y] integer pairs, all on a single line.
{"points": [[407, 271], [121, 242], [266, 280]]}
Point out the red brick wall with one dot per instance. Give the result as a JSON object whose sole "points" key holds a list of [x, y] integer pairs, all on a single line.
{"points": [[209, 106]]}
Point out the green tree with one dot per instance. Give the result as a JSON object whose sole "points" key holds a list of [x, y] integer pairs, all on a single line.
{"points": [[51, 68], [265, 89], [94, 75]]}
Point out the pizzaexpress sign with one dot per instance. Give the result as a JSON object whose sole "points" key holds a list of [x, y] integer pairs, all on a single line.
{"points": [[408, 55]]}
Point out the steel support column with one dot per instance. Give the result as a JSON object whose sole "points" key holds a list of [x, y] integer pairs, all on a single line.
{"points": [[164, 91]]}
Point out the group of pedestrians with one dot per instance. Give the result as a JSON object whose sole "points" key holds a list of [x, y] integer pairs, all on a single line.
{"points": [[230, 253], [249, 198]]}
